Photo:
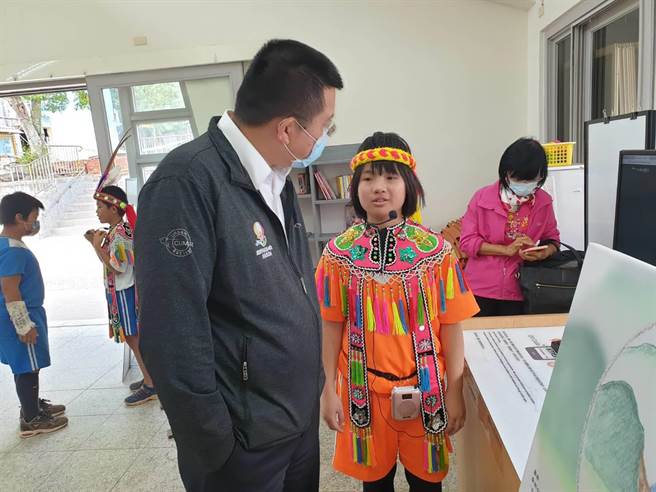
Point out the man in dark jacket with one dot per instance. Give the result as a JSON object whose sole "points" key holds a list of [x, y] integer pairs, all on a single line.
{"points": [[228, 309]]}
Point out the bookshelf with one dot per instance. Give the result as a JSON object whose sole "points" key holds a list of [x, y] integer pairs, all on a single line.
{"points": [[324, 218]]}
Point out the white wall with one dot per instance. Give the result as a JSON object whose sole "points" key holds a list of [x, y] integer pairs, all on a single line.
{"points": [[448, 75], [552, 10]]}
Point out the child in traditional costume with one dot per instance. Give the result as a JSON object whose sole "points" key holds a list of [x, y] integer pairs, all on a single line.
{"points": [[23, 324], [115, 250], [392, 294]]}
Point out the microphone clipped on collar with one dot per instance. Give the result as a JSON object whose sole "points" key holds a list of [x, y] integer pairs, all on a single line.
{"points": [[392, 215]]}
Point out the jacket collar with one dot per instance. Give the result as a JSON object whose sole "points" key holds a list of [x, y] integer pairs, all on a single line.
{"points": [[238, 174]]}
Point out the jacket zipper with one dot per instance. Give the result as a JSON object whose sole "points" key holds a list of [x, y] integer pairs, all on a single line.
{"points": [[244, 379], [554, 286], [289, 257], [294, 267], [244, 360]]}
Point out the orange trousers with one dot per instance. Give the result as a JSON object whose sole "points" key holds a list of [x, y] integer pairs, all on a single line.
{"points": [[391, 440]]}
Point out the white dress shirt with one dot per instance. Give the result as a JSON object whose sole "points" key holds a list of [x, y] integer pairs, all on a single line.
{"points": [[268, 181]]}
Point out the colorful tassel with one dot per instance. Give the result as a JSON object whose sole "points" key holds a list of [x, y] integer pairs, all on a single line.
{"points": [[351, 306], [387, 312], [442, 297], [412, 309], [436, 458], [326, 291], [358, 311], [434, 297], [381, 327], [404, 323], [356, 456], [444, 454], [450, 288], [343, 292], [420, 310], [320, 282], [461, 279], [334, 292], [362, 447], [398, 327], [371, 319], [429, 298]]}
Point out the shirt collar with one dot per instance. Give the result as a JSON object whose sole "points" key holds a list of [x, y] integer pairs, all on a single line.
{"points": [[257, 168]]}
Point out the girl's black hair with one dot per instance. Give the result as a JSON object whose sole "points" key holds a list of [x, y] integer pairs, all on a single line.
{"points": [[414, 191], [523, 160]]}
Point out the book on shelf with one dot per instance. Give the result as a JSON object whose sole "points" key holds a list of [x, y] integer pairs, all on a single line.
{"points": [[344, 185], [326, 190]]}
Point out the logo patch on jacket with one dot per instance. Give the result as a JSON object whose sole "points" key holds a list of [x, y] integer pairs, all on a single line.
{"points": [[178, 242], [263, 250]]}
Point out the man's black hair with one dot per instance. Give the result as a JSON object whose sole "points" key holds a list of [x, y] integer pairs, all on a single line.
{"points": [[286, 78]]}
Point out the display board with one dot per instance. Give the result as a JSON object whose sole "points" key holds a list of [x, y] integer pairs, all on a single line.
{"points": [[597, 430], [604, 139]]}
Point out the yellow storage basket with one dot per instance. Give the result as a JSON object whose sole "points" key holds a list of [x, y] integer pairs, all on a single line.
{"points": [[559, 154]]}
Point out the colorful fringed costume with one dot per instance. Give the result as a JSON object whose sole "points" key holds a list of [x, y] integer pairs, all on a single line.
{"points": [[119, 282], [120, 286], [391, 290]]}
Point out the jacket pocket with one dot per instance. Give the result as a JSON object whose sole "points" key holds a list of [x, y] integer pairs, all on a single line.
{"points": [[244, 378]]}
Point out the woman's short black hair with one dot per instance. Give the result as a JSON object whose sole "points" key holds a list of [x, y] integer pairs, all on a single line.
{"points": [[17, 203], [414, 191], [286, 78], [523, 160], [116, 192]]}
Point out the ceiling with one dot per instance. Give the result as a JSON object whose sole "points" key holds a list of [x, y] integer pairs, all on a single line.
{"points": [[518, 4]]}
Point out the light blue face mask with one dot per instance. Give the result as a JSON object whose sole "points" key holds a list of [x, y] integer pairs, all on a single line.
{"points": [[318, 148], [36, 227], [522, 189]]}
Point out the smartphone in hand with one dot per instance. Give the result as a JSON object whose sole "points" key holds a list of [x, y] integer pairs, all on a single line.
{"points": [[535, 248]]}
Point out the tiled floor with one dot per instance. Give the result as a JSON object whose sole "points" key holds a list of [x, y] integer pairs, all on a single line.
{"points": [[107, 446]]}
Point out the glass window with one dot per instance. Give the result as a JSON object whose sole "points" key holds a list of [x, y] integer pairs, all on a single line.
{"points": [[615, 67], [156, 97], [163, 136], [563, 88], [113, 113], [6, 146], [146, 171], [209, 97]]}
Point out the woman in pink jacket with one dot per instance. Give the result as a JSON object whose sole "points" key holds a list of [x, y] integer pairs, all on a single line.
{"points": [[502, 222]]}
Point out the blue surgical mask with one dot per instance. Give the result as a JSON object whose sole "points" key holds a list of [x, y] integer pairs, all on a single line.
{"points": [[318, 148], [522, 189], [36, 227]]}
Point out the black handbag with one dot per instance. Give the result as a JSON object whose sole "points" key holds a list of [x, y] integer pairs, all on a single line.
{"points": [[548, 286]]}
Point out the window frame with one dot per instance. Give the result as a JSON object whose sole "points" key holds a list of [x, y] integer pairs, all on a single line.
{"points": [[580, 23]]}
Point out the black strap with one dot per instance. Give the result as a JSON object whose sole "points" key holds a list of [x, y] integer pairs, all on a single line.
{"points": [[574, 251], [388, 376]]}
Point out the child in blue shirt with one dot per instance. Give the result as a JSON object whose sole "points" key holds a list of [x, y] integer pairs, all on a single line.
{"points": [[23, 324]]}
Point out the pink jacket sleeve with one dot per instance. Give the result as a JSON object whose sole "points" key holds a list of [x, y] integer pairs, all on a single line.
{"points": [[470, 238], [551, 231]]}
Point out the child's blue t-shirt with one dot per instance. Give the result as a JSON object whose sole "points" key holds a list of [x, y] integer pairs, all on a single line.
{"points": [[17, 259]]}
